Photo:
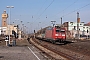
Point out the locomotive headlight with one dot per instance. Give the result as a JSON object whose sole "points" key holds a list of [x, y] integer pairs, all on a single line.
{"points": [[56, 34], [63, 34]]}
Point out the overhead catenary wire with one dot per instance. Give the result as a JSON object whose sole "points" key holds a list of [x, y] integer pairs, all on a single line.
{"points": [[67, 7], [76, 10], [45, 9], [42, 6], [73, 10]]}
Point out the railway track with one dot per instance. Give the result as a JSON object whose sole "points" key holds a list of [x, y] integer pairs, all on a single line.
{"points": [[49, 53], [56, 52]]}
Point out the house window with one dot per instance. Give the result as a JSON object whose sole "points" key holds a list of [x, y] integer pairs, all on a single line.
{"points": [[87, 31], [71, 23], [74, 27], [84, 30], [4, 15], [4, 31]]}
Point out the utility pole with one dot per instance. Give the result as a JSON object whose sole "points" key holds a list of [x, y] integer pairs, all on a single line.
{"points": [[78, 21], [9, 21], [61, 20]]}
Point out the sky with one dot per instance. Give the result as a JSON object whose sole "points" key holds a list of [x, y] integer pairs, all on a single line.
{"points": [[36, 14]]}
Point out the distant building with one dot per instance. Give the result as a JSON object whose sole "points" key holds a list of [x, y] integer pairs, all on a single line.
{"points": [[4, 19], [71, 28], [6, 29]]}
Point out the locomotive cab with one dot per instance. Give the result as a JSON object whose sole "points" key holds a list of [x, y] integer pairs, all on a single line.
{"points": [[59, 34]]}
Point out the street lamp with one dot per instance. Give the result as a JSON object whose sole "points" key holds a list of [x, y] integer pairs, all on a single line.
{"points": [[9, 20]]}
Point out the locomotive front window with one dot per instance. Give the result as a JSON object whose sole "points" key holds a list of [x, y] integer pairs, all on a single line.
{"points": [[60, 30], [57, 30]]}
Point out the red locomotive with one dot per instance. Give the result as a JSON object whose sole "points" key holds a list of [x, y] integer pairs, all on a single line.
{"points": [[54, 34]]}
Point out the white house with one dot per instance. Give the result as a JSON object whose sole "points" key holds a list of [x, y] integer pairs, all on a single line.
{"points": [[71, 28]]}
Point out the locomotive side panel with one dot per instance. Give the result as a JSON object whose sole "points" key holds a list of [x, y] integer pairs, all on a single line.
{"points": [[48, 34]]}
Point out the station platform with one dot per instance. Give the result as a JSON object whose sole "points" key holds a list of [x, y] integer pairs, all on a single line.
{"points": [[22, 51]]}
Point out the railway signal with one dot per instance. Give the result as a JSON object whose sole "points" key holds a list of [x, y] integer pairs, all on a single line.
{"points": [[6, 39]]}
